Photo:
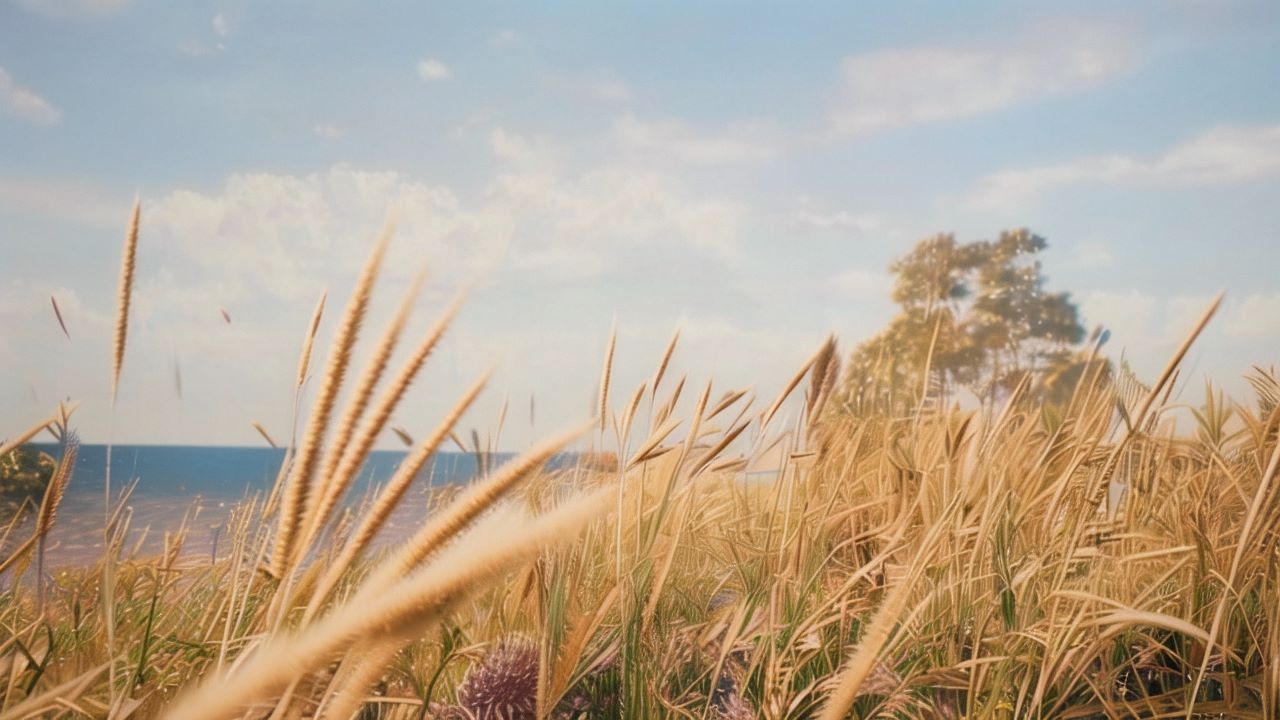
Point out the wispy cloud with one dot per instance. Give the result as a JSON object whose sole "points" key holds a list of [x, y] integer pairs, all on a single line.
{"points": [[893, 88], [1219, 155], [810, 216], [676, 141], [221, 25], [431, 69], [24, 103]]}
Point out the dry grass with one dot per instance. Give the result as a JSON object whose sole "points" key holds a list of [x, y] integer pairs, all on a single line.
{"points": [[1020, 561]]}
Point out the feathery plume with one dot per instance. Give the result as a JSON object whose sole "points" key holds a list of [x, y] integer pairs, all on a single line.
{"points": [[663, 363], [304, 358], [125, 296], [473, 501], [413, 604], [334, 488], [603, 406], [297, 491]]}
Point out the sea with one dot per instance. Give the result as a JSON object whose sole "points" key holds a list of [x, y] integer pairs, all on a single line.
{"points": [[201, 485]]}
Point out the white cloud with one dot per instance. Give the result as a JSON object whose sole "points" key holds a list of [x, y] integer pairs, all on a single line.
{"points": [[221, 25], [23, 102], [1256, 318], [283, 236], [892, 88], [809, 216], [327, 131], [1220, 155], [431, 69], [522, 152], [74, 8], [676, 141]]}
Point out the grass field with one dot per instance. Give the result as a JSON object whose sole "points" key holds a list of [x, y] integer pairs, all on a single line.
{"points": [[1013, 562]]}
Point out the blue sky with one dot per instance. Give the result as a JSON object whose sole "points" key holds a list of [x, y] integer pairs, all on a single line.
{"points": [[743, 172]]}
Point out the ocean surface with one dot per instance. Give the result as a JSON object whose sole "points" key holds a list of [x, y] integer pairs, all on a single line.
{"points": [[203, 484]]}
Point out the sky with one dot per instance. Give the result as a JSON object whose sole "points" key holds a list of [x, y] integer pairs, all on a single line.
{"points": [[742, 172]]}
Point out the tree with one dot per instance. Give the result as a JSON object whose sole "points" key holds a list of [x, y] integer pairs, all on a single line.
{"points": [[972, 315]]}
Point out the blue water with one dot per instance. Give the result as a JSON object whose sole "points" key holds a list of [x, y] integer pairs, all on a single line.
{"points": [[203, 485]]}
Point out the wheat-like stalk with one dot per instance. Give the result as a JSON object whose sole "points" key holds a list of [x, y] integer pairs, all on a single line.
{"points": [[49, 506], [373, 372], [391, 495], [125, 296], [405, 608], [336, 486], [647, 448], [629, 414], [304, 357], [669, 406], [297, 489], [792, 383], [10, 445], [602, 407], [369, 664], [57, 485], [469, 505], [663, 363], [878, 629]]}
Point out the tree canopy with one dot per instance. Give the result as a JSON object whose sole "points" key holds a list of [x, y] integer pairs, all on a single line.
{"points": [[973, 315]]}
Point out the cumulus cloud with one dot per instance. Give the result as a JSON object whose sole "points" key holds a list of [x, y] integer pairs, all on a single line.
{"points": [[521, 151], [24, 103], [431, 69], [1219, 155], [893, 88], [281, 235]]}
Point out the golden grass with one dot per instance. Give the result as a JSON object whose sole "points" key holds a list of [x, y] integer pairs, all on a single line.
{"points": [[124, 296], [297, 492], [1014, 561]]}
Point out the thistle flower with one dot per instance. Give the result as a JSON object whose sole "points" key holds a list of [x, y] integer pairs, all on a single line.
{"points": [[504, 685]]}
